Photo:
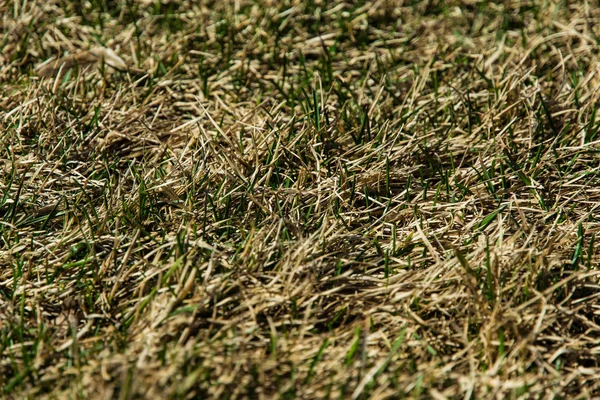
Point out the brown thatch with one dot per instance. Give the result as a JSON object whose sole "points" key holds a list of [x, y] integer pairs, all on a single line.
{"points": [[299, 199]]}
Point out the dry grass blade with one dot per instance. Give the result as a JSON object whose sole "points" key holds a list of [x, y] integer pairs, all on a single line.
{"points": [[81, 59]]}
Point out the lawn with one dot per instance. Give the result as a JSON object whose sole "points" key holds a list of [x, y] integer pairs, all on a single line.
{"points": [[299, 199]]}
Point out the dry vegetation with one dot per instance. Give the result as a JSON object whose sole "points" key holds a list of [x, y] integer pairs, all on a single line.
{"points": [[299, 199]]}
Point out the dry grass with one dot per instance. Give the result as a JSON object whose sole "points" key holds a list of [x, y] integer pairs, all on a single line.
{"points": [[299, 199]]}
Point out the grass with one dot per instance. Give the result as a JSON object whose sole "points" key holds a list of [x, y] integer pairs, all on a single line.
{"points": [[300, 200]]}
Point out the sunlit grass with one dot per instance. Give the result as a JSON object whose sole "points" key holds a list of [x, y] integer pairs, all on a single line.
{"points": [[298, 200]]}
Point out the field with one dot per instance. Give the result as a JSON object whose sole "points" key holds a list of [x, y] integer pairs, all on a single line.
{"points": [[299, 199]]}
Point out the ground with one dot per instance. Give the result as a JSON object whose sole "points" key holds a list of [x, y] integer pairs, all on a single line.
{"points": [[299, 199]]}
